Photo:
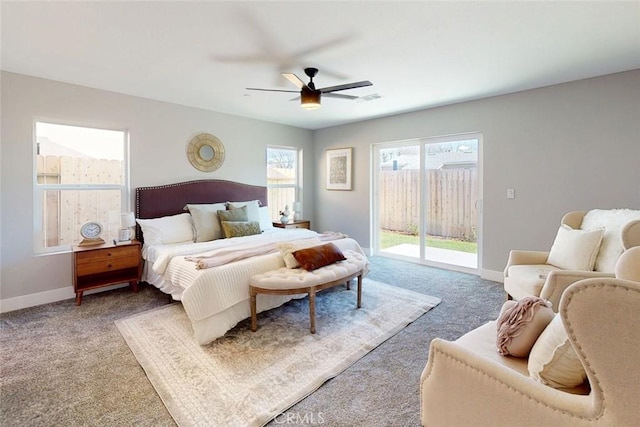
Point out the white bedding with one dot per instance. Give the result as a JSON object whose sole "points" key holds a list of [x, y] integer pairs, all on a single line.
{"points": [[216, 299]]}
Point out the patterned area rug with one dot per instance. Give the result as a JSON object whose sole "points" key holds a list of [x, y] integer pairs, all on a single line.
{"points": [[247, 378]]}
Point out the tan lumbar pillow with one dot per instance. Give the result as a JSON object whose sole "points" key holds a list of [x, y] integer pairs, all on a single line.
{"points": [[553, 360]]}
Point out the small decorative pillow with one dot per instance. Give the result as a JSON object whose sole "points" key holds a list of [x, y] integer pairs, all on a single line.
{"points": [[553, 361], [287, 249], [575, 249], [167, 229], [205, 221], [318, 256], [520, 323], [238, 214], [240, 228]]}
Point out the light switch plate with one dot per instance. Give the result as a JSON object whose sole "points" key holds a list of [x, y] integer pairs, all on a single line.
{"points": [[511, 193]]}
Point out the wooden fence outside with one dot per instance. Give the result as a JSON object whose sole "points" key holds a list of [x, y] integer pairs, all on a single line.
{"points": [[278, 199], [451, 198], [66, 210]]}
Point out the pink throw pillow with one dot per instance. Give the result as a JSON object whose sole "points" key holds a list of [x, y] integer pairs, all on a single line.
{"points": [[520, 324]]}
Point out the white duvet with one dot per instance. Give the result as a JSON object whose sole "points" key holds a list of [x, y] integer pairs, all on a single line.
{"points": [[162, 254], [216, 299]]}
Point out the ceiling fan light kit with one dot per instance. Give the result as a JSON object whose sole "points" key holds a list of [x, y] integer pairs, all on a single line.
{"points": [[310, 96], [309, 99]]}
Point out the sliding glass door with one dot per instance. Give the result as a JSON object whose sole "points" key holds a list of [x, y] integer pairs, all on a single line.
{"points": [[426, 199]]}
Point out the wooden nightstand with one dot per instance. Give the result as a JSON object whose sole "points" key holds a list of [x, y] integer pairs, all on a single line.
{"points": [[301, 223], [104, 265]]}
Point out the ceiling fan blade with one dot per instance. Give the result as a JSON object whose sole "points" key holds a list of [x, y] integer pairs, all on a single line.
{"points": [[295, 80], [346, 86], [339, 95], [271, 90]]}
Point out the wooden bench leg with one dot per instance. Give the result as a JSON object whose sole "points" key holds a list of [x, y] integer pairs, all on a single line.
{"points": [[359, 291], [254, 314], [312, 309], [348, 285]]}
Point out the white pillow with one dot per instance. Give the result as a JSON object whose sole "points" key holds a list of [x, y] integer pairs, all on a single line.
{"points": [[167, 229], [553, 361], [575, 249], [206, 222], [265, 219], [253, 209], [287, 249]]}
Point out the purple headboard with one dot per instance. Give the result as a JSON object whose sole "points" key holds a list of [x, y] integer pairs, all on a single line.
{"points": [[163, 200]]}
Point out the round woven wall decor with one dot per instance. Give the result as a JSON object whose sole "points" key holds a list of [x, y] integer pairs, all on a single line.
{"points": [[205, 152]]}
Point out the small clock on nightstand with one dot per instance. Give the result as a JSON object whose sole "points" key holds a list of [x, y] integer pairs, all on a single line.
{"points": [[90, 233]]}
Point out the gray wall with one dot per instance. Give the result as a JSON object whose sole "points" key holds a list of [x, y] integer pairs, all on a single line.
{"points": [[159, 134], [565, 147], [573, 146]]}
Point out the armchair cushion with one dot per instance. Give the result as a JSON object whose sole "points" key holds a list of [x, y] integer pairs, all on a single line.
{"points": [[553, 361], [575, 249], [527, 279], [520, 323]]}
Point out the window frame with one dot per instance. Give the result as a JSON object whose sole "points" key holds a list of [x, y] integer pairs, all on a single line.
{"points": [[39, 190], [297, 186]]}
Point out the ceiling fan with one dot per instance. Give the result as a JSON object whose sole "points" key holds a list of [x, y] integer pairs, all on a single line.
{"points": [[309, 95]]}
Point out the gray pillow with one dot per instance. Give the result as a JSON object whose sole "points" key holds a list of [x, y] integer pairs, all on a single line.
{"points": [[239, 214]]}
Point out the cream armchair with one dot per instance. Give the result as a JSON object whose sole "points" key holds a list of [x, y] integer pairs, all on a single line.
{"points": [[467, 383], [530, 272]]}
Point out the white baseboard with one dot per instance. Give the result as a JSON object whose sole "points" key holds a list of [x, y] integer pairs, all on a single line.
{"points": [[31, 300], [495, 276], [46, 297]]}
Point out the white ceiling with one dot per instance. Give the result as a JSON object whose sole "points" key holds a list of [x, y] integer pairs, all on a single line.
{"points": [[417, 54]]}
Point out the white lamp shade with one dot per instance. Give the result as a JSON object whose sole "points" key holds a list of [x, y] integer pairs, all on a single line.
{"points": [[127, 219]]}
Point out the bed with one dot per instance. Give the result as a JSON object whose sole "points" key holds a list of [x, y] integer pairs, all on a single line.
{"points": [[210, 276]]}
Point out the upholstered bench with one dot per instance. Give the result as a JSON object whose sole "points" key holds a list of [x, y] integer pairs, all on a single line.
{"points": [[288, 281]]}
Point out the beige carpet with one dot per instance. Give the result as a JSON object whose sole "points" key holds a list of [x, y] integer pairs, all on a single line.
{"points": [[247, 379]]}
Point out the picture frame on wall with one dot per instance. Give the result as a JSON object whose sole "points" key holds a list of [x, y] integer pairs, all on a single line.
{"points": [[339, 169]]}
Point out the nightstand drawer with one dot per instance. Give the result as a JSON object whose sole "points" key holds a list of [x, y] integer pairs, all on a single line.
{"points": [[298, 225], [106, 254], [301, 223], [102, 265]]}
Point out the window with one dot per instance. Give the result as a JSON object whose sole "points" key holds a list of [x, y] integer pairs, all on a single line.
{"points": [[81, 175], [283, 180]]}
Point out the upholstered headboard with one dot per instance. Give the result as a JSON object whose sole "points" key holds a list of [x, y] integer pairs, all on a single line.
{"points": [[170, 199]]}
